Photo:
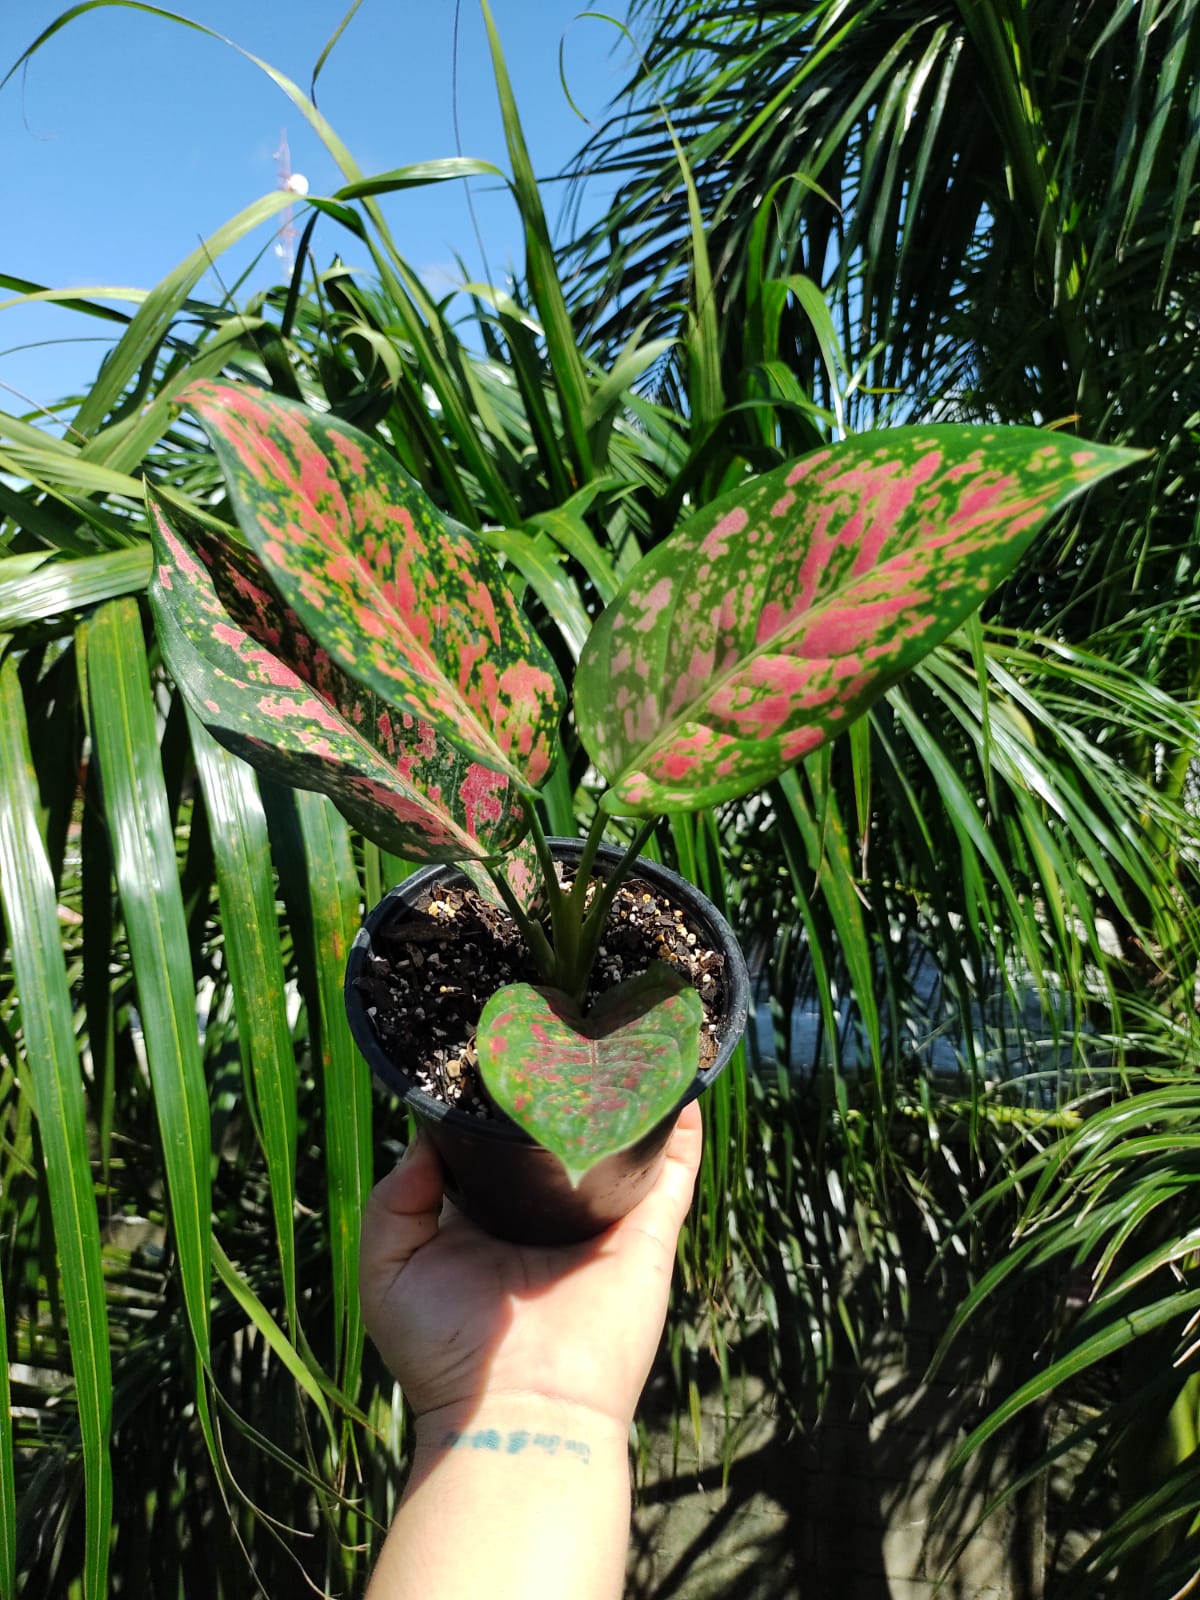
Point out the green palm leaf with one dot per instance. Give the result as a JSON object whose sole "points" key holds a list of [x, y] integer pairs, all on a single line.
{"points": [[246, 892], [123, 727], [52, 1065], [8, 1491]]}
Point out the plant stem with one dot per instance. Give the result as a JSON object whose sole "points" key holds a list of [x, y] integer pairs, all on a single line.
{"points": [[564, 922], [583, 872], [593, 926], [554, 894], [539, 945]]}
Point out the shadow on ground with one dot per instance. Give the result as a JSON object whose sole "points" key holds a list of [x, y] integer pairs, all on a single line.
{"points": [[770, 1507]]}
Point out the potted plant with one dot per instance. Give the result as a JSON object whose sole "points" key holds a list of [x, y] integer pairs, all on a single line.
{"points": [[355, 641]]}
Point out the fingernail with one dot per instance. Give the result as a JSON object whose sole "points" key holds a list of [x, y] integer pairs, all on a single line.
{"points": [[412, 1149]]}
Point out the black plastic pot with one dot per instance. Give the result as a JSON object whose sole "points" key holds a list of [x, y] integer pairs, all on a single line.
{"points": [[495, 1173]]}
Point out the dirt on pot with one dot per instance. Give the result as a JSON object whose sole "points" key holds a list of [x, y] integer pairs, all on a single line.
{"points": [[433, 972]]}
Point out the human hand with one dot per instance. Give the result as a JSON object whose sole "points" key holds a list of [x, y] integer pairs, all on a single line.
{"points": [[462, 1319]]}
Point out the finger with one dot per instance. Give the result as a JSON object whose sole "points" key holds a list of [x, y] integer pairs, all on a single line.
{"points": [[686, 1144], [402, 1210], [662, 1212]]}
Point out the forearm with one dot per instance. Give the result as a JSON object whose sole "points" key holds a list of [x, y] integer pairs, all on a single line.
{"points": [[521, 1499]]}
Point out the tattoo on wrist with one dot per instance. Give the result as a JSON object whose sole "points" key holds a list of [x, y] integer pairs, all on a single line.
{"points": [[516, 1441]]}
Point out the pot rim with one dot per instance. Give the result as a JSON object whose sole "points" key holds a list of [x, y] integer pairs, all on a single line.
{"points": [[675, 887]]}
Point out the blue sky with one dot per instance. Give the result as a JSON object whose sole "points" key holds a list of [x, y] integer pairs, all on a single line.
{"points": [[129, 138]]}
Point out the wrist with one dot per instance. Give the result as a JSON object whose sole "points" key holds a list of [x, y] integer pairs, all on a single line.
{"points": [[540, 1482], [525, 1423]]}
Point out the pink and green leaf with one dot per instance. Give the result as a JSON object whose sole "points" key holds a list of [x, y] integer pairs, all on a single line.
{"points": [[270, 693], [406, 601], [772, 618], [587, 1087]]}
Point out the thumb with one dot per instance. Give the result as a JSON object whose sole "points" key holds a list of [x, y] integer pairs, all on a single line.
{"points": [[401, 1212], [661, 1214]]}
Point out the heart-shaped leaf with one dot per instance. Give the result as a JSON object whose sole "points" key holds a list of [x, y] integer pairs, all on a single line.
{"points": [[586, 1087], [406, 601], [267, 691], [775, 616]]}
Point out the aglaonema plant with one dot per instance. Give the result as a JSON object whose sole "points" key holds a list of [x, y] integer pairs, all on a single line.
{"points": [[357, 642]]}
